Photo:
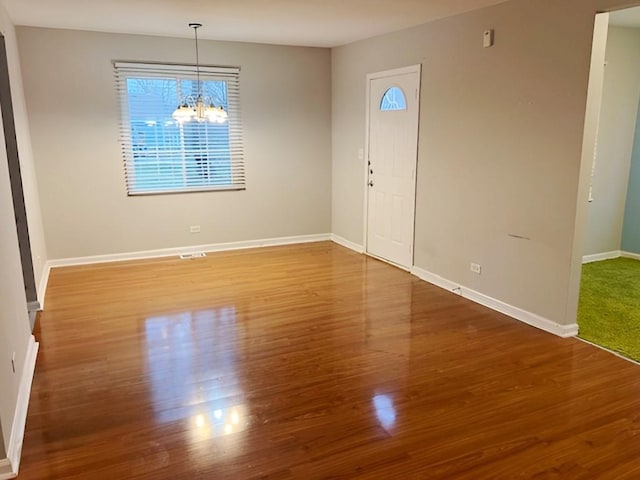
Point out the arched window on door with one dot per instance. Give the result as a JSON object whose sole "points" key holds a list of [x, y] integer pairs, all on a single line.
{"points": [[393, 99]]}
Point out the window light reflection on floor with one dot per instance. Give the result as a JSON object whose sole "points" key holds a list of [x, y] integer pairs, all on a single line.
{"points": [[385, 411]]}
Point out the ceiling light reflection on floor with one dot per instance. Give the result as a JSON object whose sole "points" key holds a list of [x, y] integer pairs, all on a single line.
{"points": [[220, 422], [182, 370], [200, 421]]}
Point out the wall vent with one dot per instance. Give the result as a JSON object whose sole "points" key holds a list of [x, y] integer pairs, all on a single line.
{"points": [[189, 256]]}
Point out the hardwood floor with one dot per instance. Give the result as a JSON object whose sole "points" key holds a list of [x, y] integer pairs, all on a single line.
{"points": [[311, 362]]}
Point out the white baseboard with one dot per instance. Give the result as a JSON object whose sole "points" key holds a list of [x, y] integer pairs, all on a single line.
{"points": [[168, 252], [42, 286], [497, 305], [6, 472], [609, 255], [635, 256], [14, 449], [598, 257], [346, 243]]}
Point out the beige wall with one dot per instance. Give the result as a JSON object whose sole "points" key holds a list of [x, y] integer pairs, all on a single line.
{"points": [[73, 110], [615, 141], [500, 148], [500, 145], [14, 321]]}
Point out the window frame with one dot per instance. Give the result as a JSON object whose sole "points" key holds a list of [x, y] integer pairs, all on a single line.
{"points": [[230, 75]]}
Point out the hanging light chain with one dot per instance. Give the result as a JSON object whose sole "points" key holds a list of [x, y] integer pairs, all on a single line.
{"points": [[199, 111], [195, 27]]}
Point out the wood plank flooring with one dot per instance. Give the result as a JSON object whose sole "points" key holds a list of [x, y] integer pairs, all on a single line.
{"points": [[311, 362]]}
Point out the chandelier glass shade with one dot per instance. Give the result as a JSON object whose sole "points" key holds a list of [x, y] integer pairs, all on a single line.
{"points": [[199, 107]]}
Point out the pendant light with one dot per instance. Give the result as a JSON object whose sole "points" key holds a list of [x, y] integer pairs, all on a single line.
{"points": [[199, 108]]}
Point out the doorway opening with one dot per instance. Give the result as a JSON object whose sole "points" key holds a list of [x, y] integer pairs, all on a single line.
{"points": [[609, 201], [13, 158]]}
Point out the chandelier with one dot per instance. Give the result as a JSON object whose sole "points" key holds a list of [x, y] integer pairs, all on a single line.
{"points": [[199, 107]]}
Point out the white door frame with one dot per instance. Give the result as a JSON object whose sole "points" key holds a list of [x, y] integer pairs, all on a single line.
{"points": [[589, 143], [373, 76]]}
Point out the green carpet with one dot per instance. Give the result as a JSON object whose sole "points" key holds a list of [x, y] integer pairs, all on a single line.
{"points": [[609, 309]]}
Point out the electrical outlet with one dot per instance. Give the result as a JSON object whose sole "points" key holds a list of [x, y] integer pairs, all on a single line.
{"points": [[13, 362], [194, 229], [475, 268]]}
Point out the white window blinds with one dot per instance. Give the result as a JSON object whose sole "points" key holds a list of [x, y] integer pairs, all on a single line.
{"points": [[162, 155]]}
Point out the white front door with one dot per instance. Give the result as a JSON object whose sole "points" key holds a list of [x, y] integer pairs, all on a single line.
{"points": [[391, 174]]}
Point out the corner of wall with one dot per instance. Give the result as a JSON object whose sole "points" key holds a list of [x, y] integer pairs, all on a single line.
{"points": [[27, 161], [14, 449]]}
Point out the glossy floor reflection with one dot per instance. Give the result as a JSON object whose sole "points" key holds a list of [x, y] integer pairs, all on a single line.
{"points": [[178, 348], [385, 411], [311, 362]]}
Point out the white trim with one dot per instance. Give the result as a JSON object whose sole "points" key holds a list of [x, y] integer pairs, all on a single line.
{"points": [[365, 216], [417, 68], [635, 256], [168, 252], [529, 318], [44, 281], [14, 449], [597, 257], [6, 472], [346, 243], [167, 67], [592, 108], [609, 256]]}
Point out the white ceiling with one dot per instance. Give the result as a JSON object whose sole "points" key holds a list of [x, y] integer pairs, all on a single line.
{"points": [[321, 23]]}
